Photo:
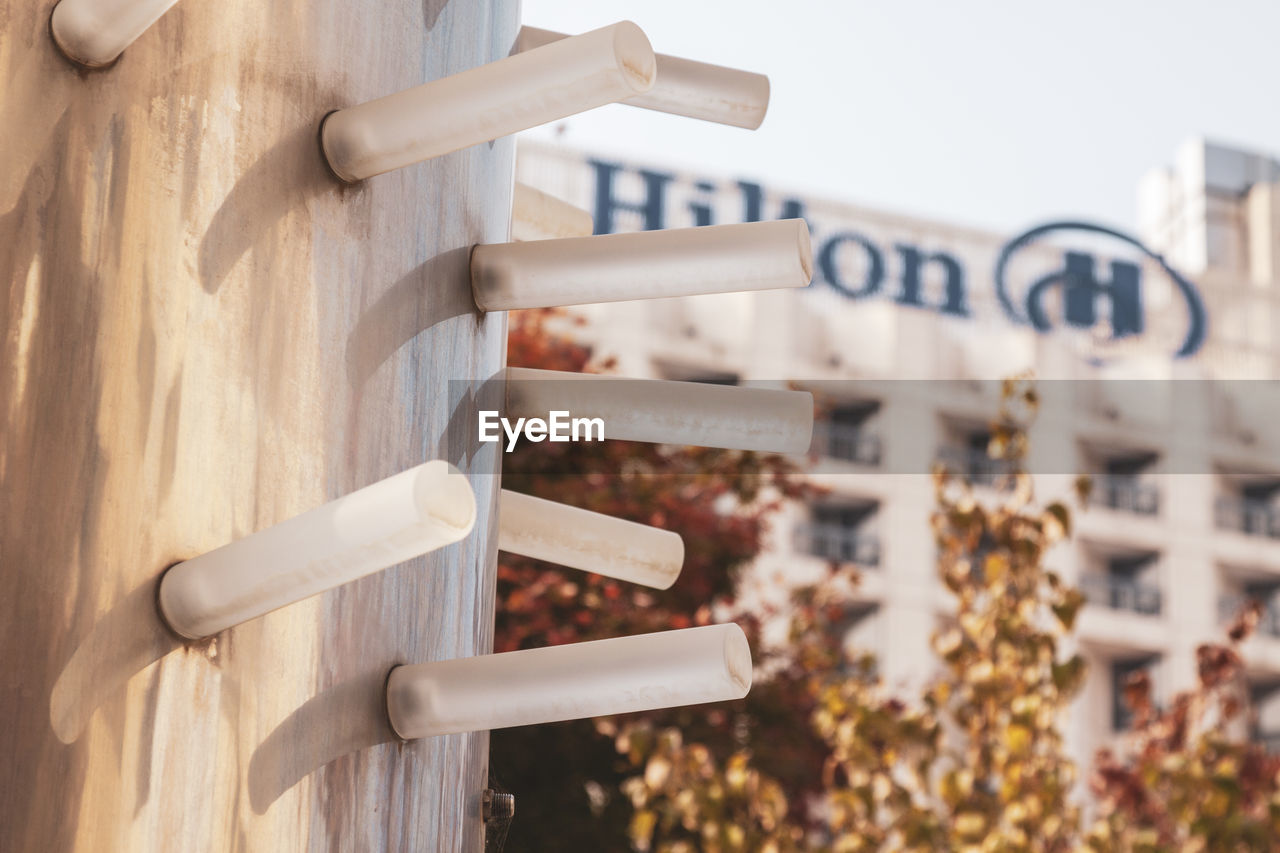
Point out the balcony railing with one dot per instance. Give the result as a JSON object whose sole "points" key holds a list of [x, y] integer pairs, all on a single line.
{"points": [[1268, 621], [839, 543], [976, 466], [1127, 494], [849, 442], [1120, 593], [1254, 518]]}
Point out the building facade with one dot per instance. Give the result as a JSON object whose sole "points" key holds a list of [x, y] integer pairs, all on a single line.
{"points": [[1155, 349]]}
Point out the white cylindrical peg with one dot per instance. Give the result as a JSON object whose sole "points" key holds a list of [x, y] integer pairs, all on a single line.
{"points": [[96, 32], [535, 215], [642, 265], [404, 516], [662, 411], [590, 541], [687, 88], [493, 100], [572, 682]]}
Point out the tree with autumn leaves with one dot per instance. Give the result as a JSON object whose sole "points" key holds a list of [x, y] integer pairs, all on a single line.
{"points": [[570, 777], [1187, 780], [978, 762], [821, 755]]}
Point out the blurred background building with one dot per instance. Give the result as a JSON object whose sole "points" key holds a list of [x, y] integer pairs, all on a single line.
{"points": [[1151, 343]]}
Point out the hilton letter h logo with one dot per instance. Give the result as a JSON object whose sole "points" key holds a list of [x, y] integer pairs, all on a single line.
{"points": [[1081, 290]]}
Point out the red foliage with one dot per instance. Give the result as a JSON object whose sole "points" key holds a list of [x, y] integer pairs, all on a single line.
{"points": [[1186, 777], [719, 501]]}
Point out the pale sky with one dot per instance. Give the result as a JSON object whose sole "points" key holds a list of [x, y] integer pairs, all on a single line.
{"points": [[991, 114]]}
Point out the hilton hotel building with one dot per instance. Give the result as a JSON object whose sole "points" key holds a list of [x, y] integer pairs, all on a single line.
{"points": [[1149, 343]]}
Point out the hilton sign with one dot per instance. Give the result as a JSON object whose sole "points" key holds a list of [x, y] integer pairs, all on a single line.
{"points": [[1086, 292]]}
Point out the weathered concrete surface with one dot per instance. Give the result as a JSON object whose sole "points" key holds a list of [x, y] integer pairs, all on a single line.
{"points": [[202, 333]]}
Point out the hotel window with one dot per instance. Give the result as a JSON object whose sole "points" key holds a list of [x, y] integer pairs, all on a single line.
{"points": [[1264, 700], [848, 433], [1123, 580], [842, 532], [1240, 592], [1248, 504], [1123, 480], [965, 454], [1122, 671]]}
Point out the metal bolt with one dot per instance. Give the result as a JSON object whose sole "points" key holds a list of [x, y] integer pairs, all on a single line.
{"points": [[497, 806]]}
